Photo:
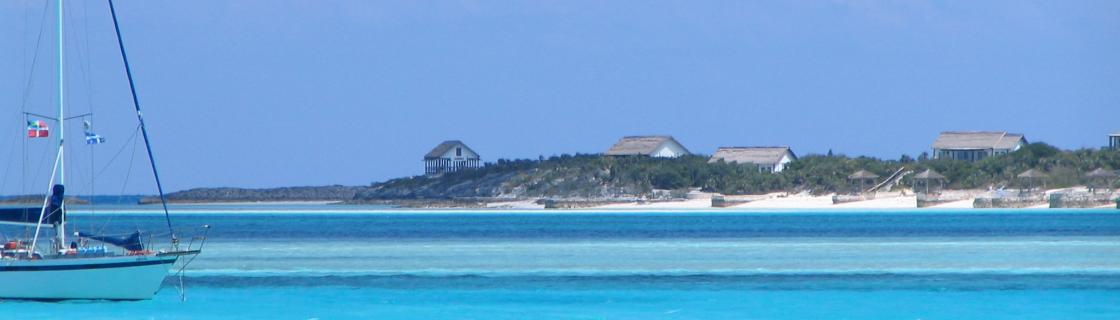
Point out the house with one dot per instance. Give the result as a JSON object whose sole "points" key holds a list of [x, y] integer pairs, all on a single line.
{"points": [[768, 159], [1114, 141], [976, 145], [651, 146], [450, 156]]}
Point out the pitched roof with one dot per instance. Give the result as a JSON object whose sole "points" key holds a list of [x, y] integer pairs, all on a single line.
{"points": [[1101, 173], [929, 174], [1032, 173], [640, 145], [442, 148], [756, 155], [863, 174], [977, 140]]}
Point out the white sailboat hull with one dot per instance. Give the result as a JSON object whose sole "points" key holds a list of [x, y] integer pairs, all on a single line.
{"points": [[111, 278]]}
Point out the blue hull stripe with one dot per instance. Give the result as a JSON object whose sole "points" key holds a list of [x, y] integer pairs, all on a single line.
{"points": [[86, 266]]}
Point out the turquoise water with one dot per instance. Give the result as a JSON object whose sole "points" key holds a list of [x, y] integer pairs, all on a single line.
{"points": [[743, 265]]}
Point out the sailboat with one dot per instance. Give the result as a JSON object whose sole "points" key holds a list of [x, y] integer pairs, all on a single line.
{"points": [[89, 266]]}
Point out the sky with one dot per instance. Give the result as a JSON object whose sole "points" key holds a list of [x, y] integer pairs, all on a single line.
{"points": [[281, 93]]}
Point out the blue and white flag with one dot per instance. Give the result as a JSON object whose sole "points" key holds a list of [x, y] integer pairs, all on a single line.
{"points": [[92, 138]]}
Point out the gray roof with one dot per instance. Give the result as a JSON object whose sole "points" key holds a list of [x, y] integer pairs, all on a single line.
{"points": [[929, 174], [442, 148], [1032, 173], [1101, 173], [639, 145], [972, 140], [755, 155], [863, 174], [1115, 134]]}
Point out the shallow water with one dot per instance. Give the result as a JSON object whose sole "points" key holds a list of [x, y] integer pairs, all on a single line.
{"points": [[1024, 264]]}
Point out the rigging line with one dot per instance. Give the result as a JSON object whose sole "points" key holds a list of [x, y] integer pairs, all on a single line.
{"points": [[143, 128], [127, 176], [92, 172], [8, 165], [27, 93], [87, 54], [82, 52], [123, 146], [42, 164], [46, 200], [23, 178], [89, 101], [34, 58]]}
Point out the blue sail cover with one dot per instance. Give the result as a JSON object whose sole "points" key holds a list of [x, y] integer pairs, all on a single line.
{"points": [[30, 216], [130, 242]]}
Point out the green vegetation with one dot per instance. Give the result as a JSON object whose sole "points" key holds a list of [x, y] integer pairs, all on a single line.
{"points": [[1065, 168], [596, 176]]}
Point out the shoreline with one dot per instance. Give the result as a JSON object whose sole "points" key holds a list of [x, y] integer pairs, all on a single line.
{"points": [[591, 211], [902, 200]]}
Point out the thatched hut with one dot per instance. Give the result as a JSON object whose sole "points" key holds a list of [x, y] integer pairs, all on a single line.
{"points": [[650, 146], [974, 146], [1100, 178], [928, 177], [768, 159], [1031, 176], [862, 178]]}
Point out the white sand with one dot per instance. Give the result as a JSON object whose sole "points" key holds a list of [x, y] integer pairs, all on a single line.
{"points": [[795, 201], [526, 204], [896, 202], [683, 204], [959, 204]]}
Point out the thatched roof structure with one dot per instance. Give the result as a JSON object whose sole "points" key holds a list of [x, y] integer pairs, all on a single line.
{"points": [[929, 174], [863, 174], [975, 140], [755, 155], [640, 145], [1101, 173], [443, 147], [1032, 173]]}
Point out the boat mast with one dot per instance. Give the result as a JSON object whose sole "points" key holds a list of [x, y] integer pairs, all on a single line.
{"points": [[59, 163], [143, 128], [61, 230]]}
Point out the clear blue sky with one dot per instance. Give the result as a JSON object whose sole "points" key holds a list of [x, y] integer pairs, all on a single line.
{"points": [[273, 93]]}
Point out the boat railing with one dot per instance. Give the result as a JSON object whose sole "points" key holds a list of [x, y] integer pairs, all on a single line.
{"points": [[199, 238]]}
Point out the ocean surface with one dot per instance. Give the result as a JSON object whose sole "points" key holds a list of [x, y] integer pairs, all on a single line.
{"points": [[264, 263]]}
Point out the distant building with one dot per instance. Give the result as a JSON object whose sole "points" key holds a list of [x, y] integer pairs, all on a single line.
{"points": [[652, 146], [1114, 141], [450, 156], [976, 145], [768, 159]]}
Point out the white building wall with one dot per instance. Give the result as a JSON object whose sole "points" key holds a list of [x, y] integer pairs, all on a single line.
{"points": [[786, 159], [467, 154]]}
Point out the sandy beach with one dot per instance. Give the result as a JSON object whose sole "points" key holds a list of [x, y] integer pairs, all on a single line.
{"points": [[696, 202]]}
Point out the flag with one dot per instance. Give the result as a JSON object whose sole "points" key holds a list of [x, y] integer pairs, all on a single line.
{"points": [[92, 138], [37, 129]]}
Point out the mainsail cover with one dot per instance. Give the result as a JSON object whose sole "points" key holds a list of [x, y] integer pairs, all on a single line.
{"points": [[130, 242], [30, 216]]}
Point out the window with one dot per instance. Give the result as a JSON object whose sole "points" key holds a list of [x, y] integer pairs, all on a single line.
{"points": [[458, 152]]}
